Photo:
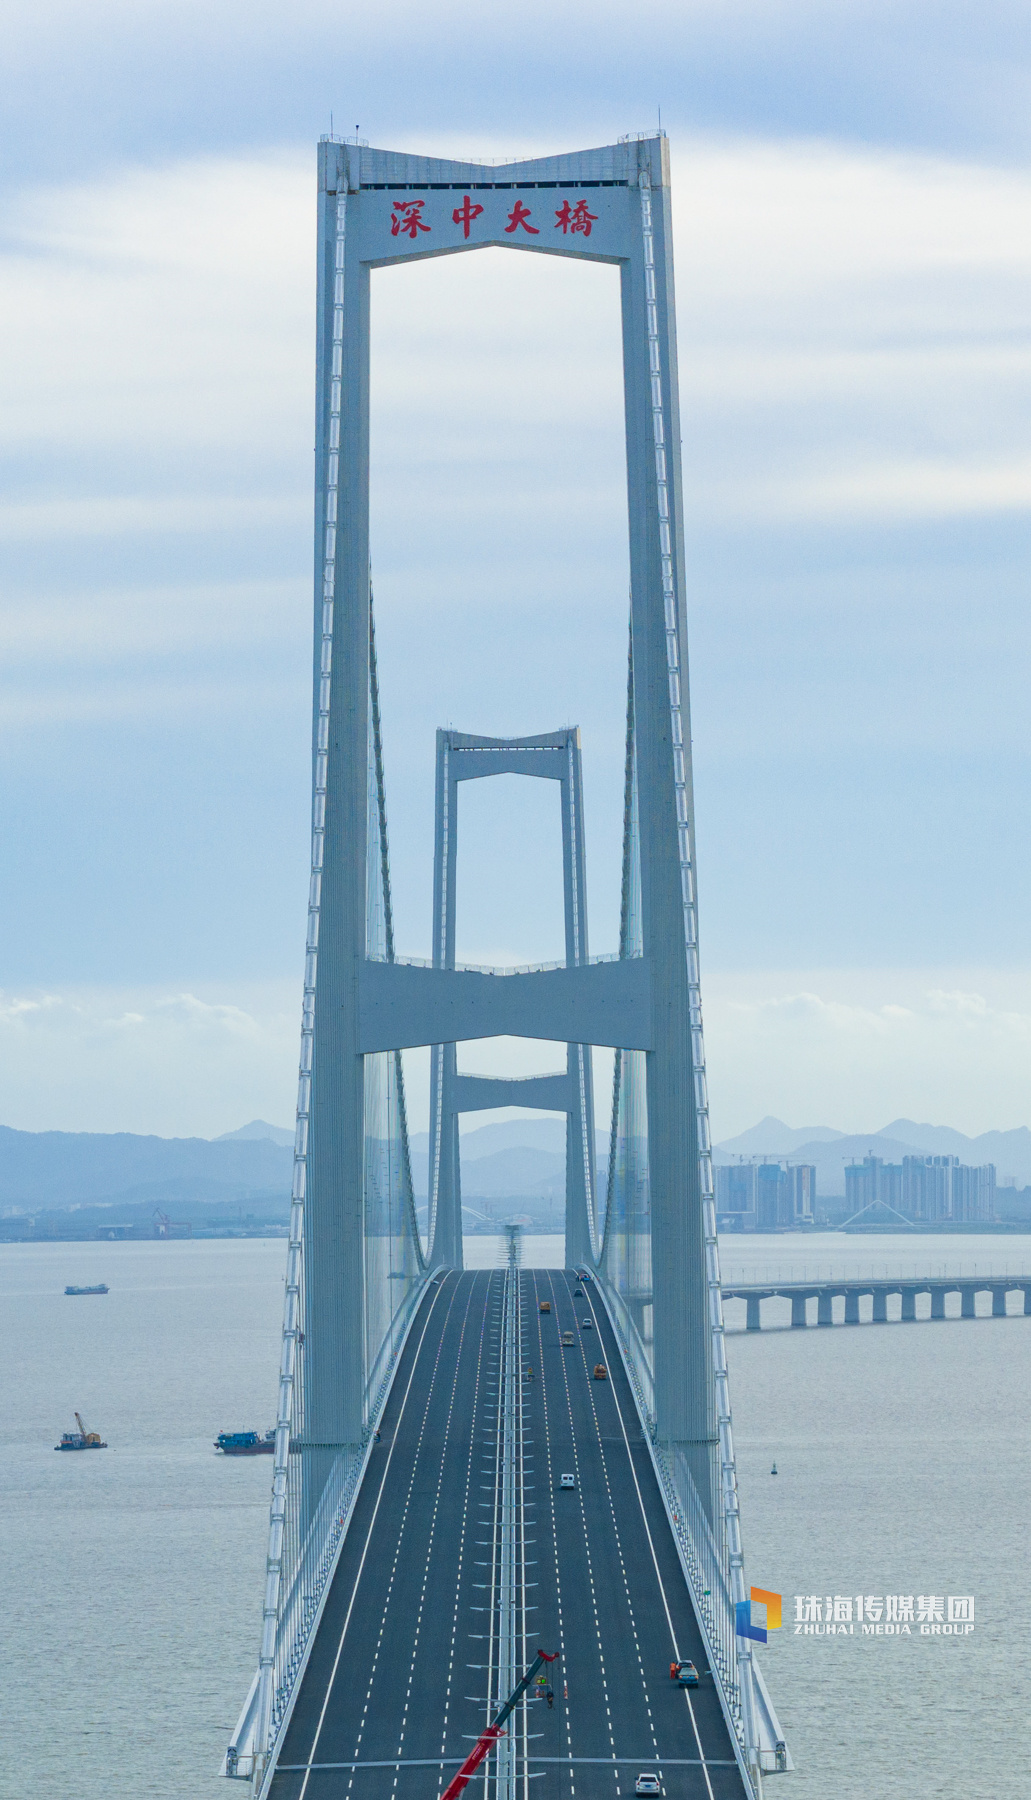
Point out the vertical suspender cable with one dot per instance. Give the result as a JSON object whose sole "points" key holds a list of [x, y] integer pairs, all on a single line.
{"points": [[293, 1304]]}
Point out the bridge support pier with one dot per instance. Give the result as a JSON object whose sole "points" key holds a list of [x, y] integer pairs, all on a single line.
{"points": [[798, 1310], [998, 1303], [1027, 1300], [754, 1303], [937, 1303], [908, 1305], [825, 1309], [968, 1310], [851, 1308], [880, 1307]]}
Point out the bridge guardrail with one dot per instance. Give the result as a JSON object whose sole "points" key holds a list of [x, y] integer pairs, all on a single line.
{"points": [[705, 1572]]}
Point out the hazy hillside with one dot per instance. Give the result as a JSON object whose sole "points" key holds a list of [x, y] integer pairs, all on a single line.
{"points": [[830, 1150], [771, 1137], [258, 1128], [1010, 1151], [511, 1134], [59, 1169], [516, 1159]]}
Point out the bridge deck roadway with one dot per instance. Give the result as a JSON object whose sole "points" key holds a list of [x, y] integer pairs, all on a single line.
{"points": [[404, 1667]]}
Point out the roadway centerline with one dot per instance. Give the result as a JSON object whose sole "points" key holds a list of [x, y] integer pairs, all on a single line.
{"points": [[578, 1476], [554, 1538]]}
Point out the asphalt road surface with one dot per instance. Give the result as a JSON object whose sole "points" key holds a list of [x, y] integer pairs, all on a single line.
{"points": [[404, 1673]]}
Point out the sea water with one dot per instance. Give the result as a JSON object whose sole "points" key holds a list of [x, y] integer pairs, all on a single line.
{"points": [[133, 1576]]}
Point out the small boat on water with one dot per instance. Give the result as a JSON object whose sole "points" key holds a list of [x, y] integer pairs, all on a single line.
{"points": [[246, 1443], [81, 1439], [101, 1288]]}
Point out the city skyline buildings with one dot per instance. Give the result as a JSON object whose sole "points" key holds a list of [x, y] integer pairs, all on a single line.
{"points": [[927, 1189]]}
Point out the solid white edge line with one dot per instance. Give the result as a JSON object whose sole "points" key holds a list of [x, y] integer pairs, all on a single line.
{"points": [[280, 1737], [713, 1670]]}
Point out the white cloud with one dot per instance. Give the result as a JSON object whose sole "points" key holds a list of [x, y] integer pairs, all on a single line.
{"points": [[127, 515], [176, 1063], [853, 339], [853, 347], [854, 1049], [850, 1049], [164, 698], [893, 491], [103, 626], [171, 311], [162, 306]]}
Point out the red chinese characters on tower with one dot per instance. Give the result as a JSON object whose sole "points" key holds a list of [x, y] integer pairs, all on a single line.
{"points": [[574, 218], [406, 221], [518, 216], [465, 214]]}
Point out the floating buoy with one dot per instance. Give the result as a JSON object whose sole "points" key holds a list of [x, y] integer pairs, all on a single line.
{"points": [[773, 1471]]}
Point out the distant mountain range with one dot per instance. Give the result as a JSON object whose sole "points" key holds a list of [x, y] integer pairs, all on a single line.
{"points": [[258, 1128], [518, 1159], [58, 1170], [522, 1159], [771, 1137], [830, 1150]]}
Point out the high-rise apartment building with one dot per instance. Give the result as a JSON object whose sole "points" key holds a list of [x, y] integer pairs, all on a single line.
{"points": [[765, 1196], [924, 1188]]}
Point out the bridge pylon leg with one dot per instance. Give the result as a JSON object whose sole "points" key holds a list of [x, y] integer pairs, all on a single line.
{"points": [[851, 1308], [825, 1309], [754, 1305], [464, 757], [799, 1316], [908, 1305], [968, 1309], [998, 1303], [937, 1303], [880, 1307]]}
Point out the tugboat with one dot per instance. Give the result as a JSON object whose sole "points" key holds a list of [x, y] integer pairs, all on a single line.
{"points": [[101, 1288], [246, 1443], [81, 1439]]}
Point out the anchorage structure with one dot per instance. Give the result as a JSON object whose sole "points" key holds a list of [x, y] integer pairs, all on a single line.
{"points": [[646, 1227]]}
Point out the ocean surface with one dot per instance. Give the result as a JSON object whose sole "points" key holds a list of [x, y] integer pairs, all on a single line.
{"points": [[132, 1578]]}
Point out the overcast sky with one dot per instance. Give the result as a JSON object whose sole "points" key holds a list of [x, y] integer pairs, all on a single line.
{"points": [[853, 247]]}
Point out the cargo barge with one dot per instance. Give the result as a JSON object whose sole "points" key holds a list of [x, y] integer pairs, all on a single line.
{"points": [[81, 1439], [246, 1443]]}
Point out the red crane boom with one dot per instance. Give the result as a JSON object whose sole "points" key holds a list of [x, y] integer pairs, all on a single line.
{"points": [[495, 1730]]}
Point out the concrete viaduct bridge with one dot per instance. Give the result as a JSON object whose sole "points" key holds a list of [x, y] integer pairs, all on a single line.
{"points": [[853, 1290], [472, 1466]]}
